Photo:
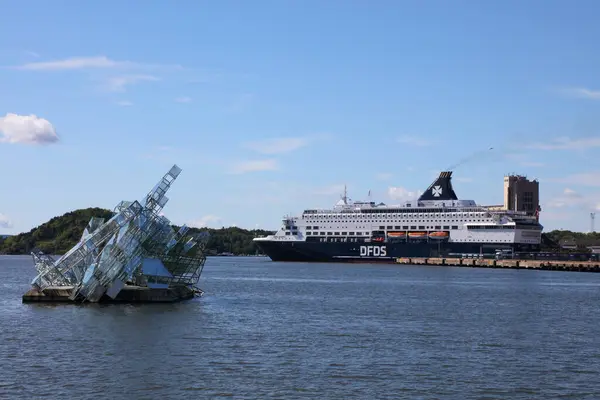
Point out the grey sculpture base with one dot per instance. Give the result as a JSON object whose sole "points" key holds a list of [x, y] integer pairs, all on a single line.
{"points": [[129, 294]]}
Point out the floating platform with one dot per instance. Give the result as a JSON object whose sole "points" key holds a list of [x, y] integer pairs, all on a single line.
{"points": [[542, 265], [129, 294]]}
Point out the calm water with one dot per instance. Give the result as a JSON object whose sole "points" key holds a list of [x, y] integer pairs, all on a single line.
{"points": [[266, 330]]}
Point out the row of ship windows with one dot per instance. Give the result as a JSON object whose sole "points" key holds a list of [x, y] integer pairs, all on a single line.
{"points": [[415, 215], [411, 220], [390, 227]]}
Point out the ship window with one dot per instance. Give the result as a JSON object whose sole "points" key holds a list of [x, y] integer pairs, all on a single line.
{"points": [[336, 233], [413, 227], [390, 227], [382, 227], [421, 227], [397, 227], [309, 227], [438, 227], [322, 233], [454, 227], [287, 233], [344, 233], [405, 227], [446, 227], [351, 233]]}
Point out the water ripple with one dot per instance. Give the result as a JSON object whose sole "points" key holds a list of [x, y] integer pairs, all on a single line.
{"points": [[279, 331]]}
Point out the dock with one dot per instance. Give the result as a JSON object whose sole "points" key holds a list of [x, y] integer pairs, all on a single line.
{"points": [[541, 265]]}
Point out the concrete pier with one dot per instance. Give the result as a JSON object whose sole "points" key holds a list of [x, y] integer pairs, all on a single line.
{"points": [[129, 294], [578, 266]]}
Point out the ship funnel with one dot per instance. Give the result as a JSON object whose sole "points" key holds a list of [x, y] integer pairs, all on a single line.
{"points": [[440, 189]]}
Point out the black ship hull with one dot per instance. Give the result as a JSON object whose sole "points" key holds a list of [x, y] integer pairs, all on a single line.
{"points": [[375, 252]]}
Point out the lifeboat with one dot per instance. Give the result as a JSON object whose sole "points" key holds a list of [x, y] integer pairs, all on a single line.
{"points": [[417, 235], [396, 234], [438, 235]]}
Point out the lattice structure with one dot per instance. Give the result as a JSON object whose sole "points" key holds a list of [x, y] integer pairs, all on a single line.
{"points": [[137, 246]]}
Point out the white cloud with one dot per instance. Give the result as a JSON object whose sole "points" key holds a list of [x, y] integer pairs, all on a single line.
{"points": [[183, 99], [254, 166], [278, 145], [581, 93], [383, 176], [567, 143], [74, 63], [5, 222], [124, 103], [571, 193], [401, 194], [571, 198], [118, 83], [206, 221], [28, 129], [414, 141]]}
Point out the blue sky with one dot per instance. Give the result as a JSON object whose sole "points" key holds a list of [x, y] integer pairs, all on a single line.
{"points": [[271, 107]]}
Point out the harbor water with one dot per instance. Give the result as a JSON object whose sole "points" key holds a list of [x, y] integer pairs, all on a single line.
{"points": [[269, 330]]}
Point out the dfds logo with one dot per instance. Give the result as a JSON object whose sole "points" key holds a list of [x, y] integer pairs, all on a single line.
{"points": [[375, 251]]}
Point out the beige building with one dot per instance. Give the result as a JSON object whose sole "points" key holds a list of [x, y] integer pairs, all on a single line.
{"points": [[521, 194]]}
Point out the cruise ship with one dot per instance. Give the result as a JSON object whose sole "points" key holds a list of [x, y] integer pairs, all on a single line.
{"points": [[437, 224]]}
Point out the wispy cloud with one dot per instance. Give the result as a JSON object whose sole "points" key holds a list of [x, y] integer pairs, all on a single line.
{"points": [[383, 176], [580, 93], [32, 54], [94, 62], [414, 141], [582, 179], [240, 103], [330, 190], [283, 145], [119, 83], [27, 129], [523, 160], [206, 221], [254, 166], [124, 103], [183, 99], [75, 63], [278, 145], [566, 143], [572, 199], [399, 193], [5, 222]]}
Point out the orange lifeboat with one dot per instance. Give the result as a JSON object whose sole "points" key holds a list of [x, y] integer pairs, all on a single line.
{"points": [[417, 235], [438, 235], [396, 234]]}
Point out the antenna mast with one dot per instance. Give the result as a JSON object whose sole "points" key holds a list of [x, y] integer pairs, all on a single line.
{"points": [[592, 218]]}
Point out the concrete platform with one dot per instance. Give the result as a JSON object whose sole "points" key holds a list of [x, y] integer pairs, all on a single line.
{"points": [[542, 265], [129, 294]]}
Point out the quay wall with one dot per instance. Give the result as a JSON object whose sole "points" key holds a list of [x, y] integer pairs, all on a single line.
{"points": [[579, 266]]}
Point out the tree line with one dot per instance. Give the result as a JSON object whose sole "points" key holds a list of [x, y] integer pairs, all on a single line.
{"points": [[61, 233]]}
